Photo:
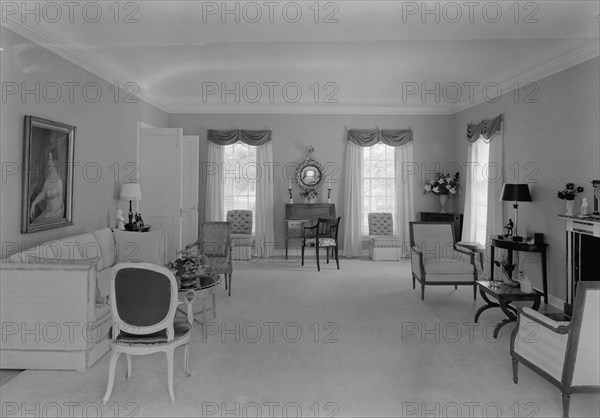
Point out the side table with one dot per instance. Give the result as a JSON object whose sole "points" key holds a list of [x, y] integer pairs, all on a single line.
{"points": [[521, 246], [203, 288], [504, 294]]}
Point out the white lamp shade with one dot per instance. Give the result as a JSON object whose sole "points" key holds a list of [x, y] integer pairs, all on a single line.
{"points": [[130, 191]]}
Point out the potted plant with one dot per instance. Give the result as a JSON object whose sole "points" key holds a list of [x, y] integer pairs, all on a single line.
{"points": [[443, 185], [188, 267], [568, 195]]}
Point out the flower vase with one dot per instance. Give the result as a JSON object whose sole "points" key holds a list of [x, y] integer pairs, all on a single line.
{"points": [[569, 204], [443, 202]]}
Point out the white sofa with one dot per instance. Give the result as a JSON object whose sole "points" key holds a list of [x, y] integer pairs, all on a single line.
{"points": [[52, 297]]}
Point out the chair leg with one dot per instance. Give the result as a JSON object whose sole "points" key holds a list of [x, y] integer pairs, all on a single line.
{"points": [[186, 363], [327, 252], [317, 255], [214, 305], [229, 276], [566, 400], [337, 258], [170, 354], [413, 277], [515, 365], [302, 252], [422, 292], [455, 287], [111, 375], [129, 366], [474, 292]]}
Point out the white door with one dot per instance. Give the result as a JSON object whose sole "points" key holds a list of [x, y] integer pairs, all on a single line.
{"points": [[190, 172], [159, 176]]}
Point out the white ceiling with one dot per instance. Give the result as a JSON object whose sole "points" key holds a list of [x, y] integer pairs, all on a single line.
{"points": [[353, 57]]}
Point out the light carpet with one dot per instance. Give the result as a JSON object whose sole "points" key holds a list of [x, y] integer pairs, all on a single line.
{"points": [[291, 341]]}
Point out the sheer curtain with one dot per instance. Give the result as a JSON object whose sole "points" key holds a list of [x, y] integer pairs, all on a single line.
{"points": [[405, 211], [215, 184], [353, 191], [265, 235]]}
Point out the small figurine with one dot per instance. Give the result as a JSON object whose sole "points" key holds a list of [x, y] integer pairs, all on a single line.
{"points": [[509, 227], [584, 207], [120, 220]]}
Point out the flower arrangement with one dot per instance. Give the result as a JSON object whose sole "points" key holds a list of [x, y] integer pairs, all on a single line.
{"points": [[443, 184], [310, 193], [189, 264], [569, 192]]}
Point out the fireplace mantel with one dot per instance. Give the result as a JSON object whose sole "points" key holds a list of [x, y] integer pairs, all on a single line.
{"points": [[583, 245]]}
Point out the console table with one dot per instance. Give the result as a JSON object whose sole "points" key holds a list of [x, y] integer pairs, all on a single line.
{"points": [[455, 218], [532, 247], [298, 215]]}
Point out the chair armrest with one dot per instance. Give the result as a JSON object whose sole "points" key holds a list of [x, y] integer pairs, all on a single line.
{"points": [[543, 320], [416, 250], [460, 249], [304, 229]]}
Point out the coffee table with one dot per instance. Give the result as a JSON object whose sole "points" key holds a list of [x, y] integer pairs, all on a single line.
{"points": [[203, 287], [504, 294]]}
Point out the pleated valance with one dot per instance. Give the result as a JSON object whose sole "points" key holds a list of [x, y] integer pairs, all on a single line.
{"points": [[370, 137], [486, 128], [249, 137]]}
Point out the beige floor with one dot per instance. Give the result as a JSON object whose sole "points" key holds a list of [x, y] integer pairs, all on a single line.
{"points": [[291, 341]]}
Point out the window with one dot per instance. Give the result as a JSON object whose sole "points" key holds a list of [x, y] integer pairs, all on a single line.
{"points": [[479, 188], [240, 178], [379, 182]]}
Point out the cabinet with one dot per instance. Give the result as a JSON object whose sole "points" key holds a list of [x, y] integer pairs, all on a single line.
{"points": [[299, 215], [455, 218]]}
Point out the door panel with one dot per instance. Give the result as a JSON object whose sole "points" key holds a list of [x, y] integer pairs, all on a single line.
{"points": [[189, 188]]}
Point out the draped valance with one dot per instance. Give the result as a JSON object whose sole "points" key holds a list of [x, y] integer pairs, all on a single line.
{"points": [[486, 128], [249, 137], [370, 137]]}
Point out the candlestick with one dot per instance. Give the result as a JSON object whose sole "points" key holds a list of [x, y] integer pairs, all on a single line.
{"points": [[290, 192], [329, 195]]}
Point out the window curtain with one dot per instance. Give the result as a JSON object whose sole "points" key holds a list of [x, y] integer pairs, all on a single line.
{"points": [[353, 202], [215, 203], [214, 206], [265, 235], [405, 211], [491, 132]]}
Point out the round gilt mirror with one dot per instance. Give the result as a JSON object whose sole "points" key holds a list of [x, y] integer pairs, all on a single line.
{"points": [[310, 174]]}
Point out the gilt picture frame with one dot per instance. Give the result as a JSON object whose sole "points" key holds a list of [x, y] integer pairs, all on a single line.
{"points": [[48, 161]]}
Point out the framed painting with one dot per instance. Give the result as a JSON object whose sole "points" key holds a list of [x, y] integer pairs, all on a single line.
{"points": [[47, 195]]}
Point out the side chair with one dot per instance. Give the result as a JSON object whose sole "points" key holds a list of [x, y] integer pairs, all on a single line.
{"points": [[144, 299], [567, 354], [242, 240], [324, 234]]}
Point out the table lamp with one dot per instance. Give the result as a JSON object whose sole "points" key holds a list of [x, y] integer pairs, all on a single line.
{"points": [[516, 193], [130, 191]]}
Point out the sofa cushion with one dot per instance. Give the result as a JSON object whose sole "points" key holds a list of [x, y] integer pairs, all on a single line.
{"points": [[42, 250], [106, 240], [444, 265], [139, 246], [65, 249], [90, 249], [32, 260]]}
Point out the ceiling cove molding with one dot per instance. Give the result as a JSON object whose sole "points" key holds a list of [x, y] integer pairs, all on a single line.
{"points": [[315, 110], [70, 56], [556, 65]]}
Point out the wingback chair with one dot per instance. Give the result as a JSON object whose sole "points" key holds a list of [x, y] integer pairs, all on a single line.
{"points": [[144, 299], [564, 353], [383, 244], [241, 233], [215, 244], [435, 259], [322, 235]]}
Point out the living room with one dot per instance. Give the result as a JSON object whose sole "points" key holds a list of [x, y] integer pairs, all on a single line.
{"points": [[551, 132]]}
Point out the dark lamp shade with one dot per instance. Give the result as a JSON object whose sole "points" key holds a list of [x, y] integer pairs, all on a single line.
{"points": [[515, 193]]}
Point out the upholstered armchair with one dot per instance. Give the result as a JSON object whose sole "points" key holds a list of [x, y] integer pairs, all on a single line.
{"points": [[144, 299], [435, 259], [383, 244], [564, 353], [241, 233]]}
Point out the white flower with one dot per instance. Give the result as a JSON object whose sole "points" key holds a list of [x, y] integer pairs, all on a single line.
{"points": [[428, 187], [452, 190], [436, 189], [441, 181]]}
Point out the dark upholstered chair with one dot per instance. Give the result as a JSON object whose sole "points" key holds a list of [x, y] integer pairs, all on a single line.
{"points": [[241, 233], [144, 299], [383, 244], [322, 235], [215, 244], [566, 354], [435, 259]]}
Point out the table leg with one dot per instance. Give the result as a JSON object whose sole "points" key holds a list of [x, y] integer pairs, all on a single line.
{"points": [[510, 262], [286, 249], [484, 308]]}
